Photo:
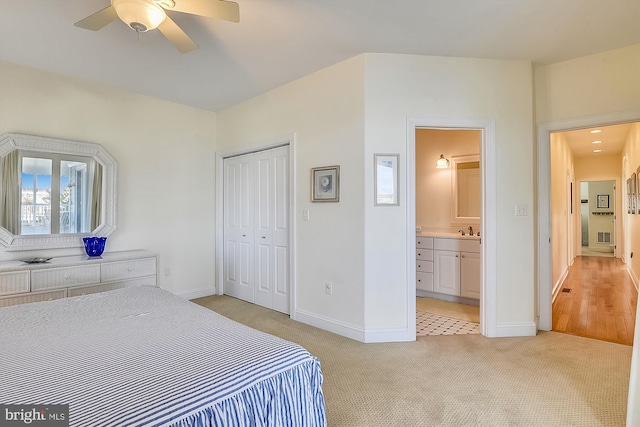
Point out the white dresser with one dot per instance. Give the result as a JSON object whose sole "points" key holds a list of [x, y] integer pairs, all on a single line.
{"points": [[70, 276]]}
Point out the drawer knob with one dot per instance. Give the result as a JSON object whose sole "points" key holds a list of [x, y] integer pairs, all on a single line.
{"points": [[67, 276], [129, 268]]}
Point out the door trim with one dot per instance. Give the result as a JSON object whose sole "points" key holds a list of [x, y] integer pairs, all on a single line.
{"points": [[488, 224], [545, 285], [287, 140]]}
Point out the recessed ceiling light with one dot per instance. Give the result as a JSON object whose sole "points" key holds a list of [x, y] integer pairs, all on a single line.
{"points": [[596, 131], [597, 151], [597, 142]]}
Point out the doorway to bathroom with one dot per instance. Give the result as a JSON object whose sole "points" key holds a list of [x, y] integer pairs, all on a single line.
{"points": [[448, 195]]}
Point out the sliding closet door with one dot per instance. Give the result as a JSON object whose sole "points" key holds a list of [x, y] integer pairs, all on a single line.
{"points": [[256, 258]]}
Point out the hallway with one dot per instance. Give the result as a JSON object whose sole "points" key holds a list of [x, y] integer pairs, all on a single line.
{"points": [[601, 303]]}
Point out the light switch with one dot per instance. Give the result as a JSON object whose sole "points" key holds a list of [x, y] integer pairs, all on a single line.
{"points": [[305, 214], [521, 210]]}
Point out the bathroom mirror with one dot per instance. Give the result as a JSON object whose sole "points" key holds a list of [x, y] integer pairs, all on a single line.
{"points": [[466, 189], [53, 192]]}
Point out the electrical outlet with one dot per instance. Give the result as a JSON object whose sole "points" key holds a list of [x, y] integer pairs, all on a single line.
{"points": [[328, 288], [167, 271]]}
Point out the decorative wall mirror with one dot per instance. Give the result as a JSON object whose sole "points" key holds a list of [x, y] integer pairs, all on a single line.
{"points": [[53, 192], [466, 189]]}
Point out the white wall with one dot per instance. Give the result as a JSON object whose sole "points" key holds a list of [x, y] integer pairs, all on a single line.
{"points": [[165, 153], [399, 87], [632, 153], [597, 88], [325, 110], [562, 172], [593, 85]]}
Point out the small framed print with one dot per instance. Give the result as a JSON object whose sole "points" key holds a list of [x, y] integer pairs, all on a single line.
{"points": [[603, 201], [385, 180], [633, 193], [325, 184]]}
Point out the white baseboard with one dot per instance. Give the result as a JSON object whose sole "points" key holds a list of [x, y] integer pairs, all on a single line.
{"points": [[197, 294], [351, 331], [388, 335], [558, 285], [340, 328], [634, 278], [516, 329]]}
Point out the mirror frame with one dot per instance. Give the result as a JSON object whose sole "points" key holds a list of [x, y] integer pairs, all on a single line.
{"points": [[473, 220], [16, 141]]}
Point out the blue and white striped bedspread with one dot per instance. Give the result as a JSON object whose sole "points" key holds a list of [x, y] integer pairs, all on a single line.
{"points": [[144, 357]]}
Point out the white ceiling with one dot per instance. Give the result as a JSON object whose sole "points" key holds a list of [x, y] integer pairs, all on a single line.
{"points": [[278, 41], [612, 139]]}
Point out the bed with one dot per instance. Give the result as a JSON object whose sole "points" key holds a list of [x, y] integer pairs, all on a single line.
{"points": [[141, 356]]}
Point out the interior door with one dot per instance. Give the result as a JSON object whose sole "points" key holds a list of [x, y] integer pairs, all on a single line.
{"points": [[238, 228], [272, 228], [256, 228]]}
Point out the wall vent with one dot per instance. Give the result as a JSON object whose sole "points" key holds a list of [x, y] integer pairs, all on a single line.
{"points": [[604, 237]]}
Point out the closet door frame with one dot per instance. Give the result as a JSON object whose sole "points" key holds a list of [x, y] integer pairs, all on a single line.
{"points": [[289, 141]]}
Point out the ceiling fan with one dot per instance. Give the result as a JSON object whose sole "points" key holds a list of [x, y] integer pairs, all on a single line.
{"points": [[146, 15]]}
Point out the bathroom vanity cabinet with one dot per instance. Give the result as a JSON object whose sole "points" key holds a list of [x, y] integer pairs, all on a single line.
{"points": [[448, 266]]}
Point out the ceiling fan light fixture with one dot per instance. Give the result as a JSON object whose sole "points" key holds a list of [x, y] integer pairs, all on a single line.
{"points": [[141, 15]]}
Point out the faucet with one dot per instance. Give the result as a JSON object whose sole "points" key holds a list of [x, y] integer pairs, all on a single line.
{"points": [[470, 230], [461, 231]]}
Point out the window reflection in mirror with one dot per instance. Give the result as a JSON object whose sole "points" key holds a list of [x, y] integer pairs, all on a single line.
{"points": [[57, 193]]}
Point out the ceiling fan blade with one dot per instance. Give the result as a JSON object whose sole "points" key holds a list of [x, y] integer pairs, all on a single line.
{"points": [[176, 36], [220, 9], [99, 19]]}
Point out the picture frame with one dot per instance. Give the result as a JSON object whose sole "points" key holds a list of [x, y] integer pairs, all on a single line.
{"points": [[602, 201], [629, 196], [633, 193], [325, 184], [386, 178], [636, 196]]}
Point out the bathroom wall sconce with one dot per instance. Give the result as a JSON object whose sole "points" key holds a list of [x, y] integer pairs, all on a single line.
{"points": [[442, 163]]}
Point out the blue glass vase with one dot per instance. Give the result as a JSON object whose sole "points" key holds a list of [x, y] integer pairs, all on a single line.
{"points": [[94, 246]]}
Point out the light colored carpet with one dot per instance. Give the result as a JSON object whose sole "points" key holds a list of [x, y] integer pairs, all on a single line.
{"points": [[460, 380]]}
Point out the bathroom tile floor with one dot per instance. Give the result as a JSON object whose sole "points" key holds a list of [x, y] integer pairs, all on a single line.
{"points": [[436, 324]]}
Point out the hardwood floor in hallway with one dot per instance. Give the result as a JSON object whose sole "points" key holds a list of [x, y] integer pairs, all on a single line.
{"points": [[602, 301]]}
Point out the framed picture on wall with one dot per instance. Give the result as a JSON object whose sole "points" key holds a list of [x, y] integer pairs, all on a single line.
{"points": [[603, 201], [633, 193], [636, 195], [325, 184], [628, 195], [385, 182]]}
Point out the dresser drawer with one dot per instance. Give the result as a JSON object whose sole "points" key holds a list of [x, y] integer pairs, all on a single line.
{"points": [[424, 266], [424, 254], [113, 271], [32, 297], [14, 282], [424, 281], [64, 277], [424, 242]]}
